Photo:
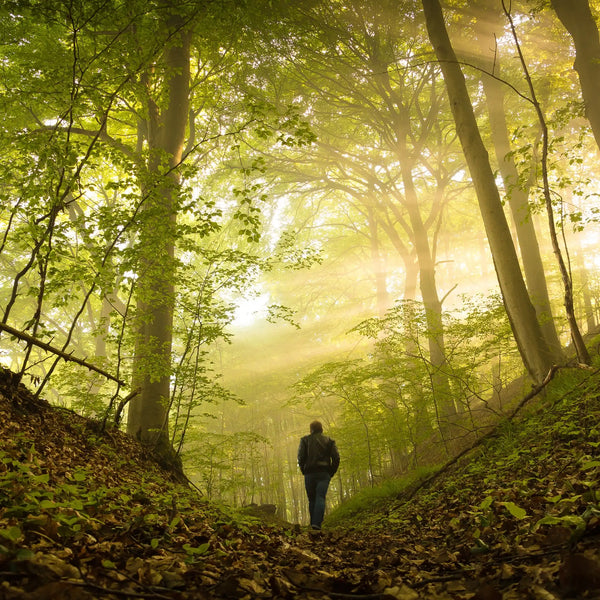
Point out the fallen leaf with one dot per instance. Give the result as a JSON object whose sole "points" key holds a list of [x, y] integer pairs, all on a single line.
{"points": [[54, 564], [250, 585], [60, 590]]}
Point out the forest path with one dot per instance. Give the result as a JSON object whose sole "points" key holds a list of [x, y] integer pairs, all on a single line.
{"points": [[88, 515]]}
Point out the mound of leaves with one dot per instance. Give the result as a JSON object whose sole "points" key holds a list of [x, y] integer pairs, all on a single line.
{"points": [[88, 514]]}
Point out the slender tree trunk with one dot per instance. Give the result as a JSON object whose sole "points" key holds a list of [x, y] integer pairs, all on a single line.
{"points": [[431, 301], [576, 337], [148, 412], [577, 18], [429, 295], [519, 207], [533, 348]]}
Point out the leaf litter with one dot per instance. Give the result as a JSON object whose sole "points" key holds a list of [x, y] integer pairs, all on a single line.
{"points": [[86, 514]]}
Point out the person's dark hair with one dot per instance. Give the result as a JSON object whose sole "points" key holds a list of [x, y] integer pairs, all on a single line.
{"points": [[316, 427]]}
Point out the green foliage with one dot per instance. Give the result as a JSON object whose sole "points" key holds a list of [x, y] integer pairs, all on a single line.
{"points": [[223, 465], [368, 502], [28, 495], [83, 225], [384, 404]]}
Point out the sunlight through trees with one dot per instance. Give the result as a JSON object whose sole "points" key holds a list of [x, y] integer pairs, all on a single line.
{"points": [[220, 221]]}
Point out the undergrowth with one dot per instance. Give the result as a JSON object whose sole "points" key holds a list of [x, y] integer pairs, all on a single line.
{"points": [[540, 469], [70, 507]]}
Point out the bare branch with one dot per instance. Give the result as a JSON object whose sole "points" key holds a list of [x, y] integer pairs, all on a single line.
{"points": [[64, 355]]}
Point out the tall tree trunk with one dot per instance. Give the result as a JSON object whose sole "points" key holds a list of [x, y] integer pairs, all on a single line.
{"points": [[378, 262], [576, 337], [517, 196], [148, 412], [433, 306], [533, 348], [577, 18]]}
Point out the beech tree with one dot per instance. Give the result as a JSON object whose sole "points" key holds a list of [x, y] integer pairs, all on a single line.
{"points": [[165, 134], [131, 129], [533, 347], [582, 352], [371, 136], [488, 29]]}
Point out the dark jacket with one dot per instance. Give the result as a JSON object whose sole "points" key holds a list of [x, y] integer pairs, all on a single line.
{"points": [[318, 453]]}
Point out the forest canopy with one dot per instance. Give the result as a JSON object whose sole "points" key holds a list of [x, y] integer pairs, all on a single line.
{"points": [[222, 219]]}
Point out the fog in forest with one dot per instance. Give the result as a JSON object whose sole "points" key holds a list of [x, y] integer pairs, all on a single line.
{"points": [[218, 227]]}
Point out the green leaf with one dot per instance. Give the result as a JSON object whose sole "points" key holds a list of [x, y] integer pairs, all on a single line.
{"points": [[486, 503], [79, 476], [24, 554], [202, 549], [514, 510], [567, 520], [76, 504], [12, 533]]}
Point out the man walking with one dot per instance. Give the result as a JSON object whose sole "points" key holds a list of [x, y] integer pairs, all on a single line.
{"points": [[318, 459]]}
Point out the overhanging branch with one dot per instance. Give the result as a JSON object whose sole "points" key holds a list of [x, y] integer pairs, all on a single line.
{"points": [[68, 357]]}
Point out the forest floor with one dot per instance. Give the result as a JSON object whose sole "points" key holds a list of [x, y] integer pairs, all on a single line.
{"points": [[86, 514]]}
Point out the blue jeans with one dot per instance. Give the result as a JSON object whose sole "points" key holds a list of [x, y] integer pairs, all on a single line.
{"points": [[316, 489]]}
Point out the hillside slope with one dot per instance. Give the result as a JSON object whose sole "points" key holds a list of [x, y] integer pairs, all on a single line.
{"points": [[88, 515]]}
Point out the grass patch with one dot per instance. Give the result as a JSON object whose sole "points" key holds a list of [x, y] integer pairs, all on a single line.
{"points": [[372, 499]]}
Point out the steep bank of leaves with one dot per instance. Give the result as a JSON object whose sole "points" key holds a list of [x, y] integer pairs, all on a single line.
{"points": [[520, 513], [87, 515]]}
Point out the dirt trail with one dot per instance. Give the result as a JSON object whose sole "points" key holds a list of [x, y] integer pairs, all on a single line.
{"points": [[88, 515]]}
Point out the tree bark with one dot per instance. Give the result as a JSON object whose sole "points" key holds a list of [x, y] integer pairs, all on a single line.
{"points": [[577, 18], [431, 301], [576, 337], [532, 346]]}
